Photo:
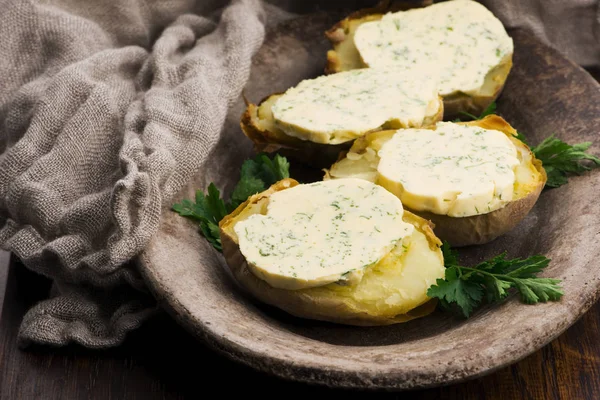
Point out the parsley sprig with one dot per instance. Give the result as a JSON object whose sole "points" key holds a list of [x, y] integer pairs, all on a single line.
{"points": [[493, 281], [491, 109], [559, 159], [209, 209]]}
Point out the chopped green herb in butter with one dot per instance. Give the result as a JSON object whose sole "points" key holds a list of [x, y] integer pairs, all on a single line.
{"points": [[454, 170], [321, 233], [460, 40], [337, 108]]}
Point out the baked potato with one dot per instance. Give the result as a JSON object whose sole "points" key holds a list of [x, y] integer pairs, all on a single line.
{"points": [[346, 56], [362, 161], [391, 291], [328, 118]]}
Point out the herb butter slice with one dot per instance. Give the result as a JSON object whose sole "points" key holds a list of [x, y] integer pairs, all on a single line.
{"points": [[337, 108], [454, 170], [460, 40], [320, 233]]}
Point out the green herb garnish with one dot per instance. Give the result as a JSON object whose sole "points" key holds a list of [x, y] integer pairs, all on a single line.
{"points": [[209, 209], [561, 159], [493, 281], [522, 138], [491, 109], [257, 175]]}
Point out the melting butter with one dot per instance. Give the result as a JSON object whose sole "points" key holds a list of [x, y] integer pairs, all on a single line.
{"points": [[320, 233], [337, 108], [460, 41], [454, 170]]}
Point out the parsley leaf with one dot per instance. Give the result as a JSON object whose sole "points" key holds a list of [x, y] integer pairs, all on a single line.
{"points": [[209, 209], [522, 138], [450, 255], [491, 109], [258, 174], [453, 289], [561, 159], [493, 279], [212, 203]]}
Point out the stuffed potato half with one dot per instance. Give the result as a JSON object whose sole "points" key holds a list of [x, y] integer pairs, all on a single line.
{"points": [[391, 291], [320, 117], [346, 56], [363, 159]]}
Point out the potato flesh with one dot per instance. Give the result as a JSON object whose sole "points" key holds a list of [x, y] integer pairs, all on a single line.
{"points": [[396, 285], [265, 119], [394, 290], [346, 52]]}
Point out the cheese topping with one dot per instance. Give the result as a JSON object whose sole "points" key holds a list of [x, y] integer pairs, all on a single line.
{"points": [[460, 40], [321, 233], [454, 170], [337, 108]]}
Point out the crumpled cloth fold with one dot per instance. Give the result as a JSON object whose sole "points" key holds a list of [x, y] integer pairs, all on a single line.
{"points": [[107, 108]]}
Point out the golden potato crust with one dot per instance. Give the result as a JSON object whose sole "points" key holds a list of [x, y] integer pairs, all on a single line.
{"points": [[321, 303], [344, 56], [463, 231]]}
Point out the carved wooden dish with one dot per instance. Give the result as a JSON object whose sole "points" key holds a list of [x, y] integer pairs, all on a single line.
{"points": [[545, 94]]}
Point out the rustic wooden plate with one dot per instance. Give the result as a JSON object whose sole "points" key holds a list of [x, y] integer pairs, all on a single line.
{"points": [[545, 94]]}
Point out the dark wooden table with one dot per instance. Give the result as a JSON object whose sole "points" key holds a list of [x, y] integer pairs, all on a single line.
{"points": [[161, 361]]}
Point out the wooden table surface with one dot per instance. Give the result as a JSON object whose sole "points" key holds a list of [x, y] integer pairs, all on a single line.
{"points": [[161, 361]]}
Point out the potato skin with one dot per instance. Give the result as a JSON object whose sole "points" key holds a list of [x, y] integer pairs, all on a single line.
{"points": [[477, 229], [317, 155], [344, 56], [300, 303], [269, 138], [480, 229]]}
